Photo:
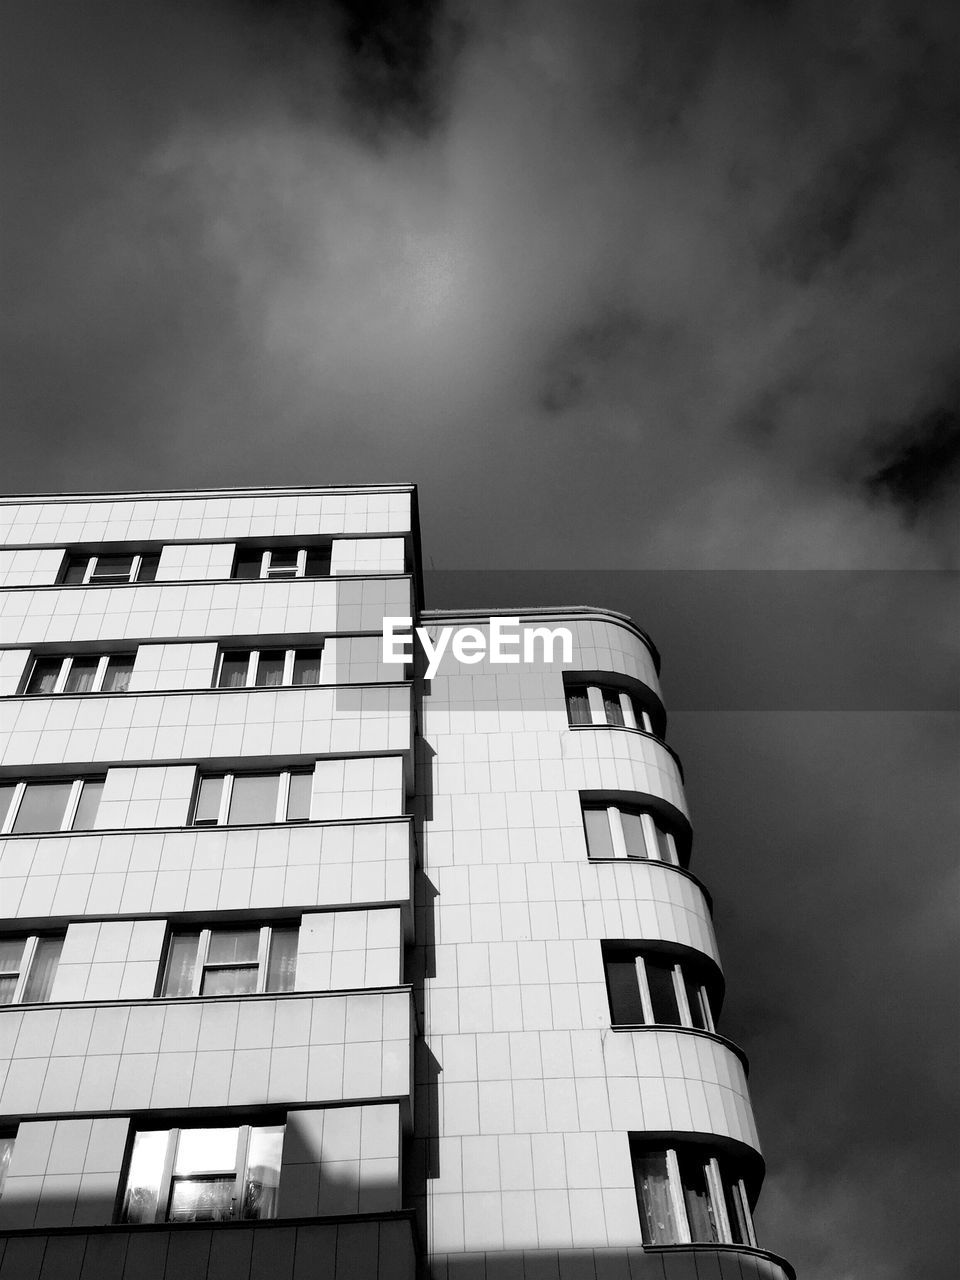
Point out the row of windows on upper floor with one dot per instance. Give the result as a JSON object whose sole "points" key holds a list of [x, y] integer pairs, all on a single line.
{"points": [[646, 984], [686, 1192], [81, 568]]}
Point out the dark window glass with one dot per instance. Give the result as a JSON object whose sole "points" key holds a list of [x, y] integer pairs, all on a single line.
{"points": [[43, 970], [112, 568], [232, 981], [693, 1179], [44, 675], [86, 815], [8, 985], [208, 800], [298, 801], [7, 791], [233, 946], [578, 705], [666, 853], [81, 675], [657, 1221], [181, 964], [149, 564], [282, 563], [233, 669], [270, 668], [254, 798], [282, 965], [612, 709], [75, 570], [231, 967], [247, 563], [624, 988], [735, 1210], [633, 834], [318, 562], [663, 995], [693, 1000], [119, 671], [42, 807], [306, 666], [597, 824]]}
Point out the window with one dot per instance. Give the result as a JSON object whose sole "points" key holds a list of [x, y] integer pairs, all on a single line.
{"points": [[203, 1175], [281, 562], [627, 831], [238, 799], [7, 1142], [603, 704], [232, 961], [82, 568], [28, 966], [686, 1194], [647, 987], [54, 804], [267, 668], [80, 673]]}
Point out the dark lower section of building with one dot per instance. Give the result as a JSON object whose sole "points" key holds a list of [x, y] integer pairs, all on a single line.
{"points": [[374, 1248], [665, 1262]]}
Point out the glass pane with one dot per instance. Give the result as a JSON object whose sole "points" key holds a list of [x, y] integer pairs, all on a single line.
{"points": [[114, 568], [247, 563], [664, 847], [229, 982], [6, 1151], [11, 953], [693, 1178], [206, 1151], [181, 965], [263, 1172], [282, 965], [318, 562], [44, 675], [306, 666], [282, 561], [623, 986], [597, 823], [298, 801], [633, 835], [149, 564], [663, 995], [233, 669], [81, 675], [611, 706], [143, 1179], [43, 969], [208, 799], [657, 1220], [578, 704], [86, 815], [270, 668], [8, 986], [7, 791], [737, 1210], [233, 946], [75, 570], [119, 671], [254, 798], [693, 1000], [202, 1200], [42, 807]]}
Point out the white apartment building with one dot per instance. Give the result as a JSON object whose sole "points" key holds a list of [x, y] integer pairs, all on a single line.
{"points": [[312, 966]]}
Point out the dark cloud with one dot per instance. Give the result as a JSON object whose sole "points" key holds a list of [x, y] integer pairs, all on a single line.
{"points": [[621, 285]]}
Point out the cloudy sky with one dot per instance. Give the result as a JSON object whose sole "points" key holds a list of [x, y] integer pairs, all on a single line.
{"points": [[666, 289]]}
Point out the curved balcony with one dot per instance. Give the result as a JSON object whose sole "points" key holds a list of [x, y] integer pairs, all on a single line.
{"points": [[623, 764], [658, 902]]}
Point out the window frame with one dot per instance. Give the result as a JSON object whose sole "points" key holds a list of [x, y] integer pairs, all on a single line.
{"points": [[202, 965], [66, 664], [168, 1177], [137, 559], [597, 694], [267, 573], [716, 1187], [8, 1143], [70, 811], [226, 795], [680, 979], [27, 957], [253, 664], [618, 841]]}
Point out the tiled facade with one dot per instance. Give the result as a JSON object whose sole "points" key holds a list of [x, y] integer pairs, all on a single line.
{"points": [[313, 966]]}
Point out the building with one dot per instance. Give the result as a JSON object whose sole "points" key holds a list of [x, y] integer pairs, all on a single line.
{"points": [[312, 965]]}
